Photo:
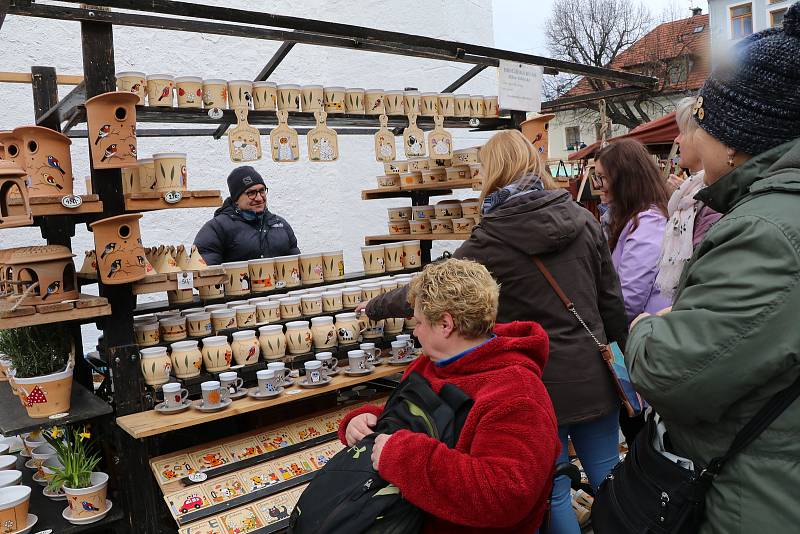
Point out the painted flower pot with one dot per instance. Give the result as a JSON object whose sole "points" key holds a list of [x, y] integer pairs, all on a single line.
{"points": [[272, 341], [240, 93], [287, 271], [215, 94], [111, 121], [265, 96], [43, 396], [333, 265], [14, 502], [411, 101], [45, 156], [171, 173], [354, 98], [374, 101], [190, 91], [159, 90], [477, 106], [334, 99], [430, 104], [85, 503], [447, 104], [156, 365], [393, 256], [412, 254], [133, 82], [289, 97], [311, 271], [120, 254], [372, 256], [312, 98], [262, 275]]}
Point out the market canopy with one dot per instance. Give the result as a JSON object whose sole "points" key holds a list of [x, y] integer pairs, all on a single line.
{"points": [[661, 131]]}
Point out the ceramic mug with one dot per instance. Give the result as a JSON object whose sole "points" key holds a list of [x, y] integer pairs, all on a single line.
{"points": [[212, 394], [265, 96], [354, 98], [373, 101], [159, 90], [186, 358], [400, 350], [357, 360], [268, 381], [329, 363], [372, 352], [312, 98], [393, 257], [199, 324], [491, 107], [237, 280], [156, 365], [174, 395], [215, 94], [230, 383], [406, 338], [311, 271], [272, 341], [280, 370], [314, 372]]}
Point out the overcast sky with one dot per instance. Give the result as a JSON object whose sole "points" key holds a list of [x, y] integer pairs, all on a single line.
{"points": [[519, 24]]}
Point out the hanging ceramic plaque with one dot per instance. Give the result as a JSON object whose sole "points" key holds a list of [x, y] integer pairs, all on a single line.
{"points": [[384, 142], [283, 140], [413, 138], [322, 142], [244, 141], [440, 142]]}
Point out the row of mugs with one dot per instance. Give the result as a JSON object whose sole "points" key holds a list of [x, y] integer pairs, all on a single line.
{"points": [[160, 173], [463, 156], [391, 257], [446, 209], [461, 225]]}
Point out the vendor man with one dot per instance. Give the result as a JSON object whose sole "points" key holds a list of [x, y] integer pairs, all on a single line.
{"points": [[243, 228]]}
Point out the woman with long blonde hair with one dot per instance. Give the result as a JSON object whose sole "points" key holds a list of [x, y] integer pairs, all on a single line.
{"points": [[525, 217]]}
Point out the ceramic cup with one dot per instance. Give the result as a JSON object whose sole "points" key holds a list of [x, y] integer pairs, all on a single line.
{"points": [[230, 383], [354, 98], [156, 365], [334, 99], [393, 101], [311, 304], [298, 337], [447, 104], [272, 341], [215, 94], [280, 369], [217, 353], [399, 350], [323, 332], [267, 312], [332, 301], [371, 351], [289, 97], [245, 315], [159, 90], [245, 347], [212, 393], [147, 334], [240, 93], [373, 101], [357, 360], [190, 91], [314, 372], [311, 97], [268, 381], [411, 101], [265, 96], [223, 320], [406, 338], [329, 363], [174, 395], [186, 359], [199, 324], [133, 82], [171, 174]]}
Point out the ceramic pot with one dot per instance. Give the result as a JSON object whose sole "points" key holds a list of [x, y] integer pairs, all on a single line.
{"points": [[411, 101], [245, 316], [287, 271], [350, 298], [237, 280], [334, 98], [399, 228], [290, 307], [420, 213], [217, 353], [393, 101], [312, 98], [172, 328], [298, 337], [146, 176], [332, 301], [240, 93], [211, 292], [147, 335], [311, 271], [223, 320], [410, 178], [333, 265], [388, 180], [448, 209], [462, 105], [420, 227], [442, 226], [477, 106], [370, 291], [272, 341], [323, 332], [267, 312], [447, 104], [373, 102], [265, 96], [429, 104], [85, 503], [190, 91], [14, 505], [245, 346], [186, 358], [159, 90], [399, 214], [171, 173], [490, 106], [44, 154], [130, 179], [373, 259], [354, 99], [348, 329], [289, 97], [120, 254], [311, 304], [412, 254], [133, 82], [215, 94], [43, 396], [156, 365], [393, 256], [262, 275], [463, 225], [393, 325]]}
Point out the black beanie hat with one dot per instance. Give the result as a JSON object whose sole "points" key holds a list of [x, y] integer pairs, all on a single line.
{"points": [[241, 179], [753, 104]]}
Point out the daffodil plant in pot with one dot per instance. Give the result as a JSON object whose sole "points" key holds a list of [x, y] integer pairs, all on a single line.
{"points": [[42, 358], [84, 487]]}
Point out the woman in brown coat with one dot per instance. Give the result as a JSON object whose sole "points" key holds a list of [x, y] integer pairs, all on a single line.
{"points": [[523, 217]]}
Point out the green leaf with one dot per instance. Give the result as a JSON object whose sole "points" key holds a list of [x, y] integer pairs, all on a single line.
{"points": [[163, 172], [172, 174]]}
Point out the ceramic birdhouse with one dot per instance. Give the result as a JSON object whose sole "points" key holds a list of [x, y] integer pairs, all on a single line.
{"points": [[111, 120], [40, 275], [45, 156], [323, 144], [15, 209], [536, 130], [118, 245]]}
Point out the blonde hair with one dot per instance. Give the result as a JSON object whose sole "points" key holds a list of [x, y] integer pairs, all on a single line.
{"points": [[462, 288], [683, 116], [507, 157]]}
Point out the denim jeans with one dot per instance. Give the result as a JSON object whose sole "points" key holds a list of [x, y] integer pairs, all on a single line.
{"points": [[597, 446]]}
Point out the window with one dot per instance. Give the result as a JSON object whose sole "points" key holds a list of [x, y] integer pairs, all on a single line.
{"points": [[776, 17], [776, 1], [741, 20], [573, 134]]}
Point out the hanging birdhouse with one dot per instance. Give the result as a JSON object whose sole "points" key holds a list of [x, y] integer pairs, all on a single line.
{"points": [[111, 120], [536, 131], [45, 156], [15, 209], [118, 245], [40, 275]]}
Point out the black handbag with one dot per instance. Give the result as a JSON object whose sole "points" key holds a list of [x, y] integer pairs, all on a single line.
{"points": [[647, 493]]}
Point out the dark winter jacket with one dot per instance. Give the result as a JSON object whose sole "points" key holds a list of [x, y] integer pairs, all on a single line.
{"points": [[229, 237], [570, 243]]}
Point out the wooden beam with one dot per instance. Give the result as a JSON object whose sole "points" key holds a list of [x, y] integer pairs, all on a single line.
{"points": [[25, 77], [3, 11], [58, 113], [570, 101], [467, 76]]}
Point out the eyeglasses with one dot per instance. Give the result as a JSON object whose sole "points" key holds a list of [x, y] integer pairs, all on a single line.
{"points": [[255, 192]]}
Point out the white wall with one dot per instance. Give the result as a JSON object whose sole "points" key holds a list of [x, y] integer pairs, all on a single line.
{"points": [[321, 201]]}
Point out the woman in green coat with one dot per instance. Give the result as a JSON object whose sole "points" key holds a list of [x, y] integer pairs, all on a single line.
{"points": [[732, 338]]}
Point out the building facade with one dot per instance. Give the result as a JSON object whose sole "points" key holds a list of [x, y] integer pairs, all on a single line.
{"points": [[732, 20]]}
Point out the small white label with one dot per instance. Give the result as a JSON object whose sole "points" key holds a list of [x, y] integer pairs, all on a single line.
{"points": [[280, 284], [520, 86], [71, 201], [215, 113], [294, 392], [186, 280], [173, 197], [198, 477], [58, 416]]}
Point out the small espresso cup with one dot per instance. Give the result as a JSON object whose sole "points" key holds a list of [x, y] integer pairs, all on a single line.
{"points": [[174, 395], [408, 340], [230, 382], [357, 359], [400, 350], [280, 369], [314, 372], [373, 353], [269, 381], [329, 363], [212, 394]]}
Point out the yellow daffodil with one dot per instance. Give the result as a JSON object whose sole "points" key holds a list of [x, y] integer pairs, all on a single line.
{"points": [[85, 435], [56, 432]]}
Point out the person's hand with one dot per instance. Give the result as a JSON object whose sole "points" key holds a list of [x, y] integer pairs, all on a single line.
{"points": [[641, 316], [361, 307], [359, 427], [664, 311], [377, 449], [673, 183]]}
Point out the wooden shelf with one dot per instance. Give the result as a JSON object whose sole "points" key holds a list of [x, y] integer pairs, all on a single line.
{"points": [[151, 423], [157, 283], [438, 188], [51, 205], [378, 239], [14, 420], [209, 198], [86, 307]]}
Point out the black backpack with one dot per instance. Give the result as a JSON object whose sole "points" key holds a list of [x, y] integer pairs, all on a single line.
{"points": [[347, 496]]}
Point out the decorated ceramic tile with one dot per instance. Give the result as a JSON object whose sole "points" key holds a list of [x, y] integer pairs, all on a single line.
{"points": [[259, 477], [327, 423], [210, 458], [243, 449], [241, 520], [224, 488], [273, 440], [205, 526], [187, 500], [173, 468], [306, 430], [316, 457], [275, 507]]}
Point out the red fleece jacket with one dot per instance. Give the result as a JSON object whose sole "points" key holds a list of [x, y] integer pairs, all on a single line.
{"points": [[498, 477]]}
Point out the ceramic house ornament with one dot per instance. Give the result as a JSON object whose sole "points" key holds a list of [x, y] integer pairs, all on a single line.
{"points": [[244, 141], [49, 267], [440, 142], [15, 208], [43, 154], [118, 244], [323, 144], [283, 140], [536, 129], [384, 142], [413, 138], [111, 120]]}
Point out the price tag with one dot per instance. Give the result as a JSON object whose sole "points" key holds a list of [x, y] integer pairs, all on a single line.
{"points": [[71, 201], [173, 197], [186, 280], [215, 113], [198, 477]]}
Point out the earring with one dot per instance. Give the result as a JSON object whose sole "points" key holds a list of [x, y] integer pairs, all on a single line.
{"points": [[730, 162]]}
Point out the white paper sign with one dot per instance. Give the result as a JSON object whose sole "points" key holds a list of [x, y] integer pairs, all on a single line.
{"points": [[520, 86], [186, 280]]}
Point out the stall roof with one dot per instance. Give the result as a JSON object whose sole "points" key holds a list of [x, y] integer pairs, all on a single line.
{"points": [[661, 131]]}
